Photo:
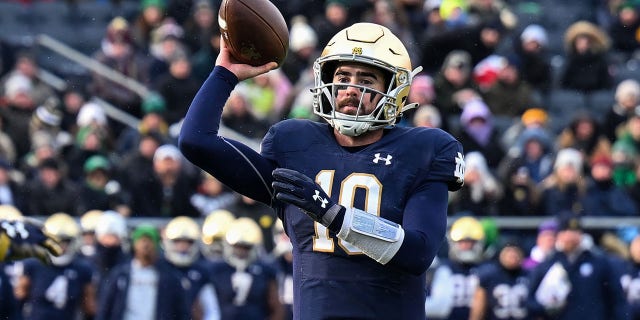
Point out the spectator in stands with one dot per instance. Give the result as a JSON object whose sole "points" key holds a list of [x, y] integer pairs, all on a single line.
{"points": [[391, 15], [136, 165], [586, 68], [46, 120], [565, 189], [212, 195], [152, 13], [72, 100], [532, 118], [623, 30], [166, 44], [481, 192], [454, 77], [603, 197], [422, 93], [531, 48], [435, 24], [200, 25], [42, 147], [427, 116], [627, 97], [120, 53], [239, 116], [334, 19], [634, 189], [624, 158], [177, 88], [302, 49], [585, 135], [562, 287], [479, 134], [7, 147], [154, 108], [486, 11], [144, 288], [544, 245], [51, 191], [90, 141], [16, 111], [204, 59], [509, 96], [168, 192], [27, 66], [11, 189], [98, 191]]}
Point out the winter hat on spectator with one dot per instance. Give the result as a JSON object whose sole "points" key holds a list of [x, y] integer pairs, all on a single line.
{"points": [[90, 113], [534, 116], [167, 151], [548, 225], [96, 162], [534, 32], [16, 84], [475, 109], [422, 84], [118, 31], [569, 156], [458, 59], [602, 160], [111, 222], [49, 163], [427, 115], [301, 35], [49, 115], [628, 88], [146, 230], [154, 103], [153, 3], [430, 5]]}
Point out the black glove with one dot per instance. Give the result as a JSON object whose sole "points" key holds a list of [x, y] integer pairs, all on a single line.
{"points": [[28, 239], [299, 190]]}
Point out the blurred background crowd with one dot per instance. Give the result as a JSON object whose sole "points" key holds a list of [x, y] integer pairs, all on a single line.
{"points": [[544, 96]]}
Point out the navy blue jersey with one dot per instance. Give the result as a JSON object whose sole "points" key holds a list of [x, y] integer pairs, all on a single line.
{"points": [[243, 295], [452, 289], [506, 292], [404, 177], [55, 292], [193, 278], [631, 285], [8, 303]]}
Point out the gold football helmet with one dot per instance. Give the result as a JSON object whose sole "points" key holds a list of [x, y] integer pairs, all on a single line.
{"points": [[214, 229], [243, 242], [373, 45], [469, 230], [67, 230], [89, 221], [181, 228], [9, 212]]}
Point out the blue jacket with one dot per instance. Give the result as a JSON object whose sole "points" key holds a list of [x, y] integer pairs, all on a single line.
{"points": [[596, 292], [170, 303]]}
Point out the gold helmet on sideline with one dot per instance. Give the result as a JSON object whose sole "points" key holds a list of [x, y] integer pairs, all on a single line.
{"points": [[243, 242], [214, 229], [9, 212], [65, 228], [373, 45], [469, 230], [181, 229], [89, 221]]}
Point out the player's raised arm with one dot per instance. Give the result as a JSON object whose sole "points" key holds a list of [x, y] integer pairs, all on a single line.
{"points": [[231, 162]]}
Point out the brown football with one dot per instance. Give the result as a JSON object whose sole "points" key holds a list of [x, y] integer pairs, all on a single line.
{"points": [[254, 30]]}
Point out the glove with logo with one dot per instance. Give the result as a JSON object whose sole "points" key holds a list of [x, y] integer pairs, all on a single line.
{"points": [[26, 238], [295, 188]]}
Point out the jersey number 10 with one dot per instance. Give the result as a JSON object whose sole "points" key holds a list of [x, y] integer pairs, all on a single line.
{"points": [[373, 190]]}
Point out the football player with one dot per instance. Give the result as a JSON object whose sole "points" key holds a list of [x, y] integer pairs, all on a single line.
{"points": [[181, 236], [283, 259], [22, 237], [357, 194], [246, 285], [503, 287], [214, 229], [64, 289], [455, 280]]}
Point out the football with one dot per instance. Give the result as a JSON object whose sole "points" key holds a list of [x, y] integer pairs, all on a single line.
{"points": [[254, 30]]}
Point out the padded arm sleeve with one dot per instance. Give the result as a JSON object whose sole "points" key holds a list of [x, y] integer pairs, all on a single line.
{"points": [[233, 163]]}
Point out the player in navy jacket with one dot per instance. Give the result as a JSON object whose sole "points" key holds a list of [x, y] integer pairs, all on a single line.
{"points": [[631, 279], [595, 291], [376, 194]]}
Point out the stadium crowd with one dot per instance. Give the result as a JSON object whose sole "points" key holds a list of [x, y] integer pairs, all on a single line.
{"points": [[543, 96]]}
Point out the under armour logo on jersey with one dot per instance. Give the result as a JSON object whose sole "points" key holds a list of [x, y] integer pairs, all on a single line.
{"points": [[387, 160], [323, 202]]}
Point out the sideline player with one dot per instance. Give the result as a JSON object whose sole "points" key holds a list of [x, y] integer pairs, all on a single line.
{"points": [[376, 194]]}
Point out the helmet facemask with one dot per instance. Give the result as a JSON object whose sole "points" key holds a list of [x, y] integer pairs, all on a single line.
{"points": [[374, 46]]}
